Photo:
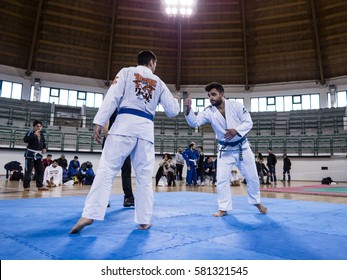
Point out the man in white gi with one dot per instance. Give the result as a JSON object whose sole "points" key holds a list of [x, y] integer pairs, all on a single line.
{"points": [[231, 122], [53, 176], [136, 96]]}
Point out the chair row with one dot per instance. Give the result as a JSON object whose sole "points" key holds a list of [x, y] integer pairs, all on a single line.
{"points": [[314, 145]]}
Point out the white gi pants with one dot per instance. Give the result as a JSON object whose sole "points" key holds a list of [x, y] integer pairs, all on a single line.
{"points": [[115, 151], [227, 159]]}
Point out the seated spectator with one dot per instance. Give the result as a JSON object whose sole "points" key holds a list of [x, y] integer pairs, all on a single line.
{"points": [[53, 176], [170, 171], [235, 179], [209, 170], [160, 171], [62, 161], [86, 173], [47, 161], [74, 167], [14, 167]]}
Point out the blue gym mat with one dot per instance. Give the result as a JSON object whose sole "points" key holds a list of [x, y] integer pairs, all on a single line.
{"points": [[183, 229]]}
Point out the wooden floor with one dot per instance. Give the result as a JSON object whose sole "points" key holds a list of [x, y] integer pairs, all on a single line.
{"points": [[14, 190]]}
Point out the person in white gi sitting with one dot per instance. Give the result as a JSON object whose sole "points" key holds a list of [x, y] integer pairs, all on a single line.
{"points": [[53, 176]]}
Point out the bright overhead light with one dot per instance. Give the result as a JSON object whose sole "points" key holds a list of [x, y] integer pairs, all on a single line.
{"points": [[182, 7]]}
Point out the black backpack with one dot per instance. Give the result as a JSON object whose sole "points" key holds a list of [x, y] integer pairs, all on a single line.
{"points": [[13, 165], [326, 181]]}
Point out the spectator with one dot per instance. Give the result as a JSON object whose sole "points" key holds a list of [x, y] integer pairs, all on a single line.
{"points": [[262, 171], [209, 170], [62, 161], [53, 176], [179, 163], [199, 166], [74, 167], [170, 171], [47, 161], [271, 164], [287, 165], [235, 180], [87, 173], [161, 170], [36, 147], [191, 156]]}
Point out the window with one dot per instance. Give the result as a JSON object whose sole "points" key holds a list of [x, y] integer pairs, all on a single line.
{"points": [[296, 101], [199, 105], [285, 103], [271, 105], [279, 103], [11, 90], [341, 99], [69, 97]]}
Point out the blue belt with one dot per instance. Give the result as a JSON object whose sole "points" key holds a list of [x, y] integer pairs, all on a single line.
{"points": [[232, 144], [136, 113]]}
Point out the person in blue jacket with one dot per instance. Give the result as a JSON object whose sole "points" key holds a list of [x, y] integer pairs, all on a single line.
{"points": [[191, 156]]}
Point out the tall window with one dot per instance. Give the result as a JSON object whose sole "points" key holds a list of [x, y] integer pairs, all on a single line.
{"points": [[285, 103], [341, 99], [11, 90], [69, 97]]}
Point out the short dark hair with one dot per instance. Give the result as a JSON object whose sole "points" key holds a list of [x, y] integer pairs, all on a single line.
{"points": [[144, 57], [215, 85], [36, 122], [201, 148], [49, 155]]}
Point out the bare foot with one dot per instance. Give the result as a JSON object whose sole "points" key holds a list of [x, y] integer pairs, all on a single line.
{"points": [[144, 226], [262, 209], [82, 222], [220, 213]]}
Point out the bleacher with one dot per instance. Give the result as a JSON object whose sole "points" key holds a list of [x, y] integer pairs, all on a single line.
{"points": [[302, 133]]}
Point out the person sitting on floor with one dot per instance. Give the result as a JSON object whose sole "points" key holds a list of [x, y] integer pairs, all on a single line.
{"points": [[74, 167], [86, 174], [53, 176], [235, 180]]}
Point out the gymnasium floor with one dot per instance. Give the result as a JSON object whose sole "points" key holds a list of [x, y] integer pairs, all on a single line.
{"points": [[14, 190]]}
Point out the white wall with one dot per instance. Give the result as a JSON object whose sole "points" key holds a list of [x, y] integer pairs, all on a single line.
{"points": [[303, 169]]}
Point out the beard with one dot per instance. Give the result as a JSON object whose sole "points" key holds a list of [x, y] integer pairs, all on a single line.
{"points": [[216, 103]]}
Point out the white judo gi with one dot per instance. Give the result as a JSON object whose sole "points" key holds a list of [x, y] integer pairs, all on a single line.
{"points": [[136, 96], [237, 117], [55, 172]]}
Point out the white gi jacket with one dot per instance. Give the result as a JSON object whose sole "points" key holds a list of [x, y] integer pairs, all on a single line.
{"points": [[236, 117], [136, 88]]}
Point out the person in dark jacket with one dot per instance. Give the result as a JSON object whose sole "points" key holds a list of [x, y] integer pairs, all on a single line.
{"points": [[36, 147], [287, 165], [271, 164]]}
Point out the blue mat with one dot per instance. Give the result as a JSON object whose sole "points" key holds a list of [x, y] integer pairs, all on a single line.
{"points": [[183, 229]]}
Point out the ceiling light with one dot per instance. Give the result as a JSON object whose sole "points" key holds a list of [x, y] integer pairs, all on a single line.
{"points": [[182, 7]]}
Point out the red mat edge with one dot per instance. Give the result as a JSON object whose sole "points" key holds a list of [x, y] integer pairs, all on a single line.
{"points": [[301, 190]]}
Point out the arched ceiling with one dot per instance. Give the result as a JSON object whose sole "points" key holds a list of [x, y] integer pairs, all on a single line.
{"points": [[243, 42]]}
